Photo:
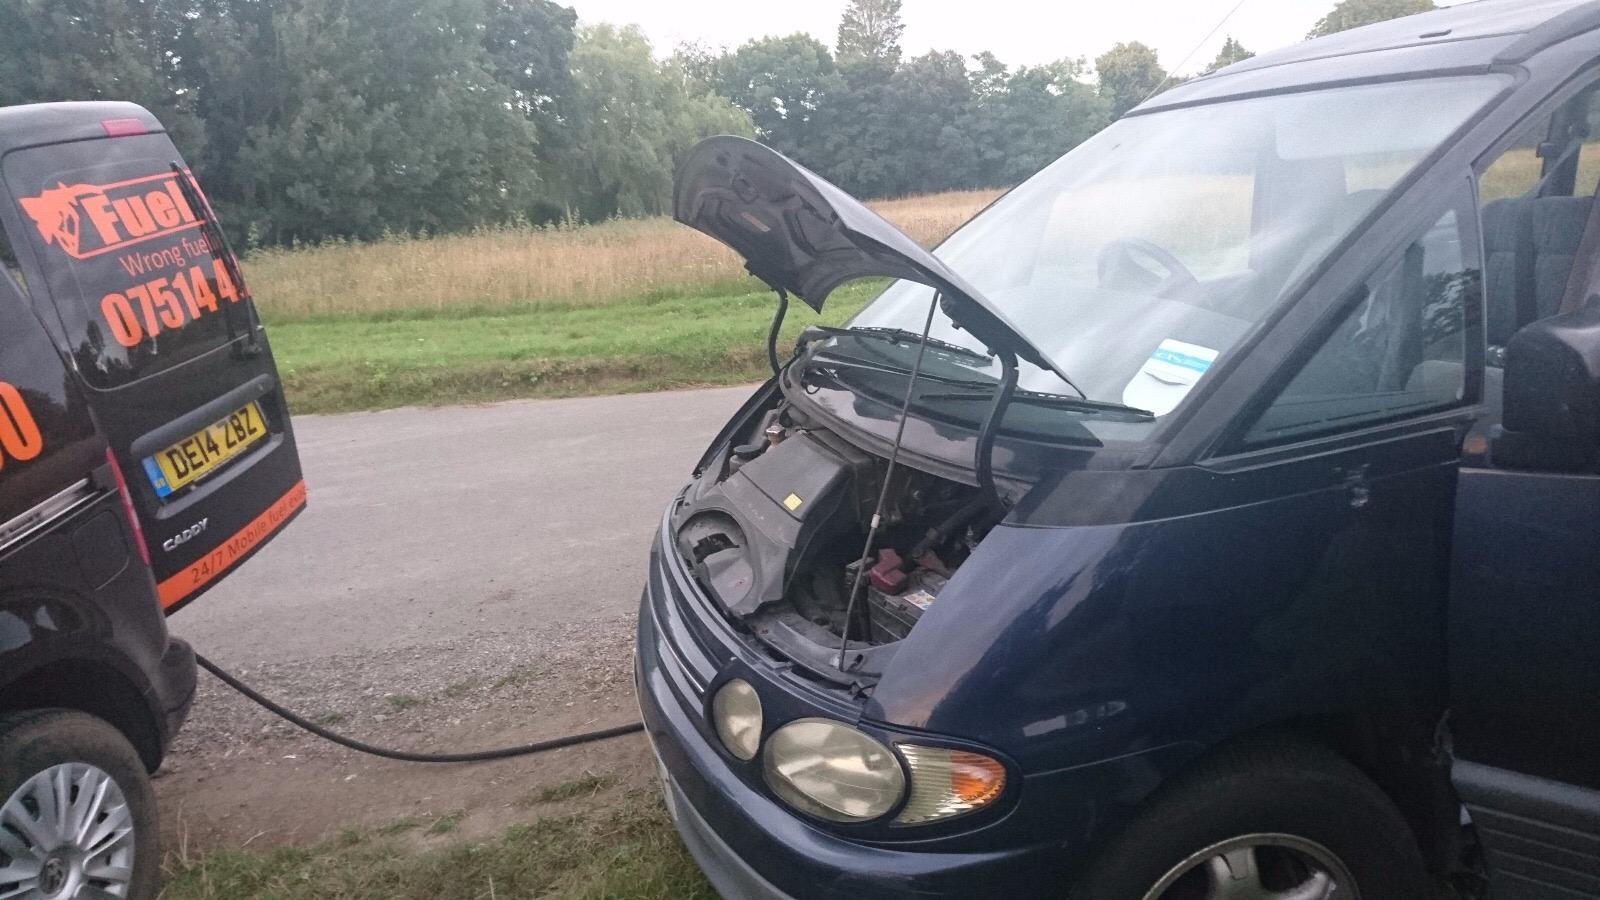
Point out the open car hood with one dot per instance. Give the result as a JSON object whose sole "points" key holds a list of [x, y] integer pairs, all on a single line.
{"points": [[801, 234]]}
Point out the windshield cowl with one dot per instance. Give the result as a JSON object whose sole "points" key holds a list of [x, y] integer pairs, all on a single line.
{"points": [[942, 441]]}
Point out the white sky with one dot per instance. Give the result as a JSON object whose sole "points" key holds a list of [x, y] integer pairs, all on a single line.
{"points": [[1017, 31]]}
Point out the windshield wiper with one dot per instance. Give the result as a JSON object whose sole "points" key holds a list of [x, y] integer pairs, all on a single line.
{"points": [[901, 336], [1056, 401], [887, 369]]}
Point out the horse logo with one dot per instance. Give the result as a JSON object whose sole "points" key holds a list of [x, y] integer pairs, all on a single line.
{"points": [[55, 213]]}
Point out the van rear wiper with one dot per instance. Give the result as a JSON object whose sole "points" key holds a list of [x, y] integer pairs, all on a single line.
{"points": [[899, 336], [1056, 401], [221, 251]]}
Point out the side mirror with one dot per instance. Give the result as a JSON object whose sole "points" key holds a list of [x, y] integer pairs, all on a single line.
{"points": [[1551, 417]]}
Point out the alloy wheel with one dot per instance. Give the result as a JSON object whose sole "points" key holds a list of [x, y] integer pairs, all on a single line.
{"points": [[1258, 867]]}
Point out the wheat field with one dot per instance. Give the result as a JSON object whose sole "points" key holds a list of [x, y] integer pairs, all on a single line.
{"points": [[521, 267]]}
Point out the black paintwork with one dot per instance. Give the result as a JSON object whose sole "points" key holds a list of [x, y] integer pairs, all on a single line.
{"points": [[1386, 590], [80, 623], [81, 612], [140, 399]]}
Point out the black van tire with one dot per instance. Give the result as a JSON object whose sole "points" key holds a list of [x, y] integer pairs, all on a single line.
{"points": [[1272, 788], [32, 742]]}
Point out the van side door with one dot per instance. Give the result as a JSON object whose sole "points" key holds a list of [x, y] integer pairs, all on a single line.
{"points": [[49, 451], [1524, 615]]}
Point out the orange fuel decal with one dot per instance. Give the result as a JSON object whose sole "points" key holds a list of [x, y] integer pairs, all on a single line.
{"points": [[207, 568], [19, 432], [117, 215], [145, 310]]}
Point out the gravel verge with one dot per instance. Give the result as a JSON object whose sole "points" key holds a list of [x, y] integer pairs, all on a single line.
{"points": [[411, 697]]}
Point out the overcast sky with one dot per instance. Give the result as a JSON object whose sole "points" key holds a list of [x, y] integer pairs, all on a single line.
{"points": [[1018, 31]]}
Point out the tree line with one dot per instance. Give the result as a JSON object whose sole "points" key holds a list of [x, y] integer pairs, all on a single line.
{"points": [[316, 119]]}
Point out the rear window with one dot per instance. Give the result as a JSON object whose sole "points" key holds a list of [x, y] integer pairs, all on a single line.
{"points": [[123, 255]]}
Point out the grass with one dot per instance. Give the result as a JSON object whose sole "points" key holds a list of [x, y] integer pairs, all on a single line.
{"points": [[445, 824], [620, 306], [586, 785], [521, 268], [517, 677], [624, 852], [402, 702], [332, 364]]}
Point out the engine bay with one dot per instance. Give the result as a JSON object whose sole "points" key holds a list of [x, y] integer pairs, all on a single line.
{"points": [[773, 529]]}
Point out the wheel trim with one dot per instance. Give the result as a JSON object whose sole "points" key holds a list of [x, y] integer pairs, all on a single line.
{"points": [[1232, 871], [66, 834]]}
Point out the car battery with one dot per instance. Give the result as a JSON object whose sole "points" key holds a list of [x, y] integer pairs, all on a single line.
{"points": [[893, 616]]}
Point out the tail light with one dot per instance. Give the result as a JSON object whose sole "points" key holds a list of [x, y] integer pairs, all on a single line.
{"points": [[127, 507]]}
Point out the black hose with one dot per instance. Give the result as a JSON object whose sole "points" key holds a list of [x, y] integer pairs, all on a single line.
{"points": [[984, 462], [772, 333], [938, 533], [405, 755]]}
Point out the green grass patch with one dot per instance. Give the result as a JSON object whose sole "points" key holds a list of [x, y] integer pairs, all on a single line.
{"points": [[445, 824], [399, 826], [518, 677], [340, 363], [455, 690], [403, 702], [624, 852], [586, 785]]}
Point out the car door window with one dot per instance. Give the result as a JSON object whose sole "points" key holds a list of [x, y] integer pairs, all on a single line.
{"points": [[1400, 349], [1535, 201]]}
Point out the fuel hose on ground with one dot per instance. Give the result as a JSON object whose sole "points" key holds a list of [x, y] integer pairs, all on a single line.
{"points": [[556, 743]]}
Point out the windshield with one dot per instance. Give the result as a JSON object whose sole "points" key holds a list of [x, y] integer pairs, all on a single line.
{"points": [[1140, 258]]}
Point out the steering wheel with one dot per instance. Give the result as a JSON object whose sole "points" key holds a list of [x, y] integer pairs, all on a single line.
{"points": [[1119, 265]]}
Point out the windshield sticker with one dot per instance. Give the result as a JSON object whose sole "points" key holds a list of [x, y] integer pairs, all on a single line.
{"points": [[1167, 376]]}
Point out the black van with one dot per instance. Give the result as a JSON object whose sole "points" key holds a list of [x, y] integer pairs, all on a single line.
{"points": [[1236, 534], [145, 451]]}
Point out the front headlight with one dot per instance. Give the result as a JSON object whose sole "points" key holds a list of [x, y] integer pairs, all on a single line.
{"points": [[832, 771], [736, 712]]}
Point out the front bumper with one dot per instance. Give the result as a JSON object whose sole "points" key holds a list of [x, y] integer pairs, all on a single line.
{"points": [[730, 875], [749, 844]]}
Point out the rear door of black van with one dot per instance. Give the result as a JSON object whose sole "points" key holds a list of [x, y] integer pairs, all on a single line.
{"points": [[109, 226]]}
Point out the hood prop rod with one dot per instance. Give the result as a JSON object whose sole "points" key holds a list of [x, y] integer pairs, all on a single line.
{"points": [[888, 481]]}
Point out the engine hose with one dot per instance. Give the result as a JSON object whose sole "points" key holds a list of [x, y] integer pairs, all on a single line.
{"points": [[406, 755], [940, 532]]}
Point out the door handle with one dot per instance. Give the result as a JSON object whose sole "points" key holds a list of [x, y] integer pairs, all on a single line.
{"points": [[1355, 486]]}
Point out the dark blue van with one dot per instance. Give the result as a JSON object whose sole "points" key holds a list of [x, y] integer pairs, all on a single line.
{"points": [[1217, 515]]}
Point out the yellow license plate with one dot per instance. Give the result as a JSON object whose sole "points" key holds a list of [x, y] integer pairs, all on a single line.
{"points": [[203, 452]]}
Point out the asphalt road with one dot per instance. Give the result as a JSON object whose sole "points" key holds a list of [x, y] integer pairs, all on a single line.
{"points": [[426, 526]]}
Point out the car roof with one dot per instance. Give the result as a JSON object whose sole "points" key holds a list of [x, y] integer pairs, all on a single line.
{"points": [[1470, 35]]}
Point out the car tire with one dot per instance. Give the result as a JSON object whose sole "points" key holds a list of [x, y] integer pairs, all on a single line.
{"points": [[1274, 812], [101, 846]]}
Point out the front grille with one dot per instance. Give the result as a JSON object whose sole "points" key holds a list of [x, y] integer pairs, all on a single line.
{"points": [[681, 610]]}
